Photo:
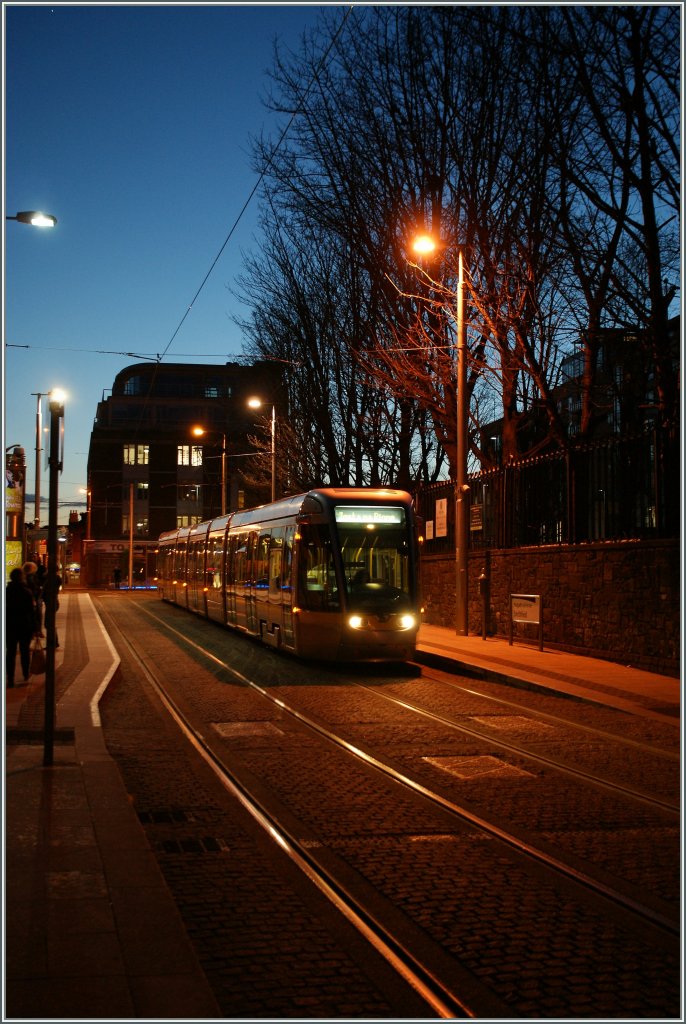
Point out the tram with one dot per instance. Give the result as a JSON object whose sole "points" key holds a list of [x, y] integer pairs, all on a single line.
{"points": [[331, 574]]}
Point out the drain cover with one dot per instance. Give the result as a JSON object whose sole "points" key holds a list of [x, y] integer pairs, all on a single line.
{"points": [[473, 767]]}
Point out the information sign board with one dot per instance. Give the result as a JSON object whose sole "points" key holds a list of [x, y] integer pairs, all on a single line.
{"points": [[527, 608]]}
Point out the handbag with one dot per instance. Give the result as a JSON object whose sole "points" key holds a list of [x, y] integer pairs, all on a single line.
{"points": [[37, 658]]}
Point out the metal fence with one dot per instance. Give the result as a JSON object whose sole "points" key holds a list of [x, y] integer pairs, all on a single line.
{"points": [[621, 488]]}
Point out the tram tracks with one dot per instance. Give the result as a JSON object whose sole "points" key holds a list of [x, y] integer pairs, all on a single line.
{"points": [[559, 765], [511, 838], [316, 859], [440, 997]]}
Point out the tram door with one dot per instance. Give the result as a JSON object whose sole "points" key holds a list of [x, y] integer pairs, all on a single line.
{"points": [[258, 606], [287, 585], [249, 588]]}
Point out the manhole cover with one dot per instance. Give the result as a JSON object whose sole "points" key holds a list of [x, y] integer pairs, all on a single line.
{"points": [[474, 767], [231, 729]]}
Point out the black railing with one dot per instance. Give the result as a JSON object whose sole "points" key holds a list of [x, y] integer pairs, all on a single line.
{"points": [[617, 489]]}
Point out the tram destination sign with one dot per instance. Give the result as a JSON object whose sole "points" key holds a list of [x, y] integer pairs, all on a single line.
{"points": [[365, 515]]}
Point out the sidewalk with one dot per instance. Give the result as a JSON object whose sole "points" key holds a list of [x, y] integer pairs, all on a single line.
{"points": [[91, 930], [603, 682]]}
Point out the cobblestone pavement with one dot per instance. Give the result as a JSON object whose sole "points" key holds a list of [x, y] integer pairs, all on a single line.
{"points": [[271, 948]]}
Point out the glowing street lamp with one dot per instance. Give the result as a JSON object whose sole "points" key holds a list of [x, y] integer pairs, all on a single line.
{"points": [[200, 432], [257, 403], [36, 218], [423, 245]]}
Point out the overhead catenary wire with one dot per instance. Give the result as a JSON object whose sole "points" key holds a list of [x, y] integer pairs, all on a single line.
{"points": [[260, 178], [254, 189]]}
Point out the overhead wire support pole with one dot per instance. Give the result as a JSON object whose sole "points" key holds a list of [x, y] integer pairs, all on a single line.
{"points": [[462, 495], [273, 453], [56, 413], [39, 448]]}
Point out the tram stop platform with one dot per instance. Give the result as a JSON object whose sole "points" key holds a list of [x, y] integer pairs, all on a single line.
{"points": [[91, 929]]}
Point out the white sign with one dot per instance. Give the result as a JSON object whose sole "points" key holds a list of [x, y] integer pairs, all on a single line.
{"points": [[526, 608], [442, 517], [367, 514]]}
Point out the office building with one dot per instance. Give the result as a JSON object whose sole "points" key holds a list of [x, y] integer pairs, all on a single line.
{"points": [[173, 444]]}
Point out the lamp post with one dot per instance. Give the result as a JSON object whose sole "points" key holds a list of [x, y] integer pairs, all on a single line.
{"points": [[425, 244], [38, 395], [257, 403], [199, 432], [36, 218], [56, 403], [462, 554]]}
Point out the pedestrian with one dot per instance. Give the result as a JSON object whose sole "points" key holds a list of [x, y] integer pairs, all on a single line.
{"points": [[34, 577], [20, 624], [117, 578]]}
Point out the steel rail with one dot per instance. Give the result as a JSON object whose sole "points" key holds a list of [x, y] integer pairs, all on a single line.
{"points": [[588, 777], [546, 716], [508, 838], [444, 1002]]}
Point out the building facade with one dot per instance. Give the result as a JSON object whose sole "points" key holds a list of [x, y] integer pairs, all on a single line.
{"points": [[172, 445]]}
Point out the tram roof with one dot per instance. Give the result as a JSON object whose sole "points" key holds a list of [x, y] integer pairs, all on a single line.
{"points": [[287, 508]]}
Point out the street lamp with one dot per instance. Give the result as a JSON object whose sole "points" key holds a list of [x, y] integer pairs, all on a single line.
{"points": [[35, 218], [424, 244], [38, 395], [257, 403], [56, 403], [199, 432]]}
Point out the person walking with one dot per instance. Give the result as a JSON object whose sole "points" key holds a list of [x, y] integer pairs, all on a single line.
{"points": [[20, 625], [34, 581]]}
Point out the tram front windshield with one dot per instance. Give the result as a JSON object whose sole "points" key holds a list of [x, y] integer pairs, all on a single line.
{"points": [[375, 552]]}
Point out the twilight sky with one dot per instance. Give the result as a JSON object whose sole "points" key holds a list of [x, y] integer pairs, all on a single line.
{"points": [[131, 124]]}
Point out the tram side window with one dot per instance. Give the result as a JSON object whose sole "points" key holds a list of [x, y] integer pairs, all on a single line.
{"points": [[240, 559], [196, 554], [180, 561], [318, 586], [261, 563], [287, 560], [213, 571], [275, 562]]}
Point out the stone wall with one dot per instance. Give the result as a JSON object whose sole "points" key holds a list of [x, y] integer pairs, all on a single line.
{"points": [[619, 601]]}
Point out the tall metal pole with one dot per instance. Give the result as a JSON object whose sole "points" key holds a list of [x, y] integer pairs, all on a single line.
{"points": [[56, 412], [223, 474], [130, 536], [39, 449], [273, 453], [462, 496]]}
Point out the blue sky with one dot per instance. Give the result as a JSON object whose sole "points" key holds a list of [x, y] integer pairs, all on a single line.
{"points": [[131, 124]]}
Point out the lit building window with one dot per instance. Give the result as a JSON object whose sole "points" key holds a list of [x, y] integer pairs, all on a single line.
{"points": [[140, 524], [189, 455], [188, 494], [187, 520], [136, 454]]}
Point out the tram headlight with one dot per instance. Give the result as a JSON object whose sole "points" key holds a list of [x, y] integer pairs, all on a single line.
{"points": [[356, 622], [407, 621]]}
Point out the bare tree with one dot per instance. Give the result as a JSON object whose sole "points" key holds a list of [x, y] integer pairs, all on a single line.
{"points": [[537, 142], [617, 154]]}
